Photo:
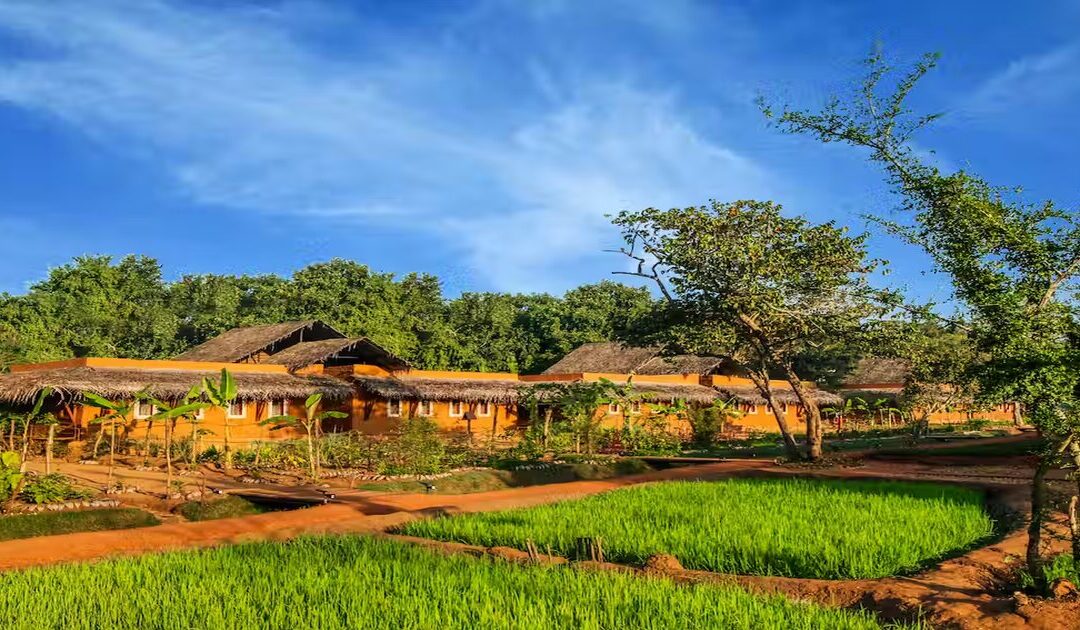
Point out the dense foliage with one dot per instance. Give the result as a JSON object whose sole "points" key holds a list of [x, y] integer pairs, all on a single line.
{"points": [[362, 582], [794, 528], [95, 306], [1014, 264]]}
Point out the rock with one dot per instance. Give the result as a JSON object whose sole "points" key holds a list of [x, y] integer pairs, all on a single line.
{"points": [[1062, 588], [663, 563]]}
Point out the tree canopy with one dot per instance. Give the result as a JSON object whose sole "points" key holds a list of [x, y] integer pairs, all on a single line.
{"points": [[97, 306]]}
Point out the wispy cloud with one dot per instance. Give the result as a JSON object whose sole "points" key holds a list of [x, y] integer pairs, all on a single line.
{"points": [[1047, 78], [247, 112]]}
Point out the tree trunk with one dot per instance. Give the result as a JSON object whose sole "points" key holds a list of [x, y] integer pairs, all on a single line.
{"points": [[97, 440], [547, 426], [494, 428], [25, 444], [194, 442], [761, 381], [112, 455], [1074, 508], [1038, 514], [813, 414], [169, 427], [227, 448], [146, 441], [49, 448], [311, 451], [11, 434]]}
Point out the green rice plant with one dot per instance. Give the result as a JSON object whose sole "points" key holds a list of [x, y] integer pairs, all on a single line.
{"points": [[789, 527], [360, 582]]}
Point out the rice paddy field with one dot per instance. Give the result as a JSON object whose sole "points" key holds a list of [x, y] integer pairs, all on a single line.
{"points": [[788, 527], [357, 582]]}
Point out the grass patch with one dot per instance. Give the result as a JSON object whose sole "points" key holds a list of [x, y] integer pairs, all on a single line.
{"points": [[1006, 449], [51, 523], [791, 527], [225, 507], [361, 582], [494, 479]]}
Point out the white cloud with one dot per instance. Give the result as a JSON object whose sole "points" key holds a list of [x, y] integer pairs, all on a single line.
{"points": [[1050, 77], [246, 113]]}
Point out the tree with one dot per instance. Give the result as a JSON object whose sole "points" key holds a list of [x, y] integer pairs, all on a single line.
{"points": [[745, 282], [188, 408], [312, 424], [1013, 264], [116, 414], [221, 395]]}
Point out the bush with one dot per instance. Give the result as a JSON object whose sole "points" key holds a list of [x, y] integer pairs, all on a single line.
{"points": [[10, 462], [53, 488], [414, 448], [227, 507]]}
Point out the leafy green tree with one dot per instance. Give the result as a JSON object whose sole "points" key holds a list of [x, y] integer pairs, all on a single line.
{"points": [[749, 284], [1013, 263], [312, 422]]}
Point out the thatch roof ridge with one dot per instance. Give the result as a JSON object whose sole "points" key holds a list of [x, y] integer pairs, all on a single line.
{"points": [[750, 395], [877, 371], [237, 344], [308, 353], [603, 356], [680, 364], [439, 389], [69, 383]]}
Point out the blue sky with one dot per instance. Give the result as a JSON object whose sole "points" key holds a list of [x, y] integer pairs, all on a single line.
{"points": [[481, 141]]}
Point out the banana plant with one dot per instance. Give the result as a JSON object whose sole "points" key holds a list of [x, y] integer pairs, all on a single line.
{"points": [[36, 415], [11, 477], [116, 413], [221, 395], [312, 424], [187, 408]]}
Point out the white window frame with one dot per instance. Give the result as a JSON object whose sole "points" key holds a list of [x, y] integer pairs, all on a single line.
{"points": [[200, 414], [139, 415], [635, 407], [270, 407], [460, 405], [483, 408], [390, 402], [425, 408], [243, 410], [613, 409]]}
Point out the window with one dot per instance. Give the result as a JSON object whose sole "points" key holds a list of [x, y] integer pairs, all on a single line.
{"points": [[457, 408], [200, 414], [238, 409], [278, 408], [613, 408], [635, 406], [483, 408], [144, 409], [425, 408], [393, 408]]}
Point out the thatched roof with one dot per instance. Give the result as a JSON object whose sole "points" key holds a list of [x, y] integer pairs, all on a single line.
{"points": [[70, 382], [337, 351], [875, 371], [680, 364], [749, 394], [616, 358], [238, 344], [464, 389]]}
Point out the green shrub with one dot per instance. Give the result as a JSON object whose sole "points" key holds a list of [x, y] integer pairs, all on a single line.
{"points": [[10, 475], [414, 448], [225, 507], [52, 523], [53, 488]]}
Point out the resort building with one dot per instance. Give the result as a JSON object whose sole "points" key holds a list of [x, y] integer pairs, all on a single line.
{"points": [[880, 382], [276, 367]]}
